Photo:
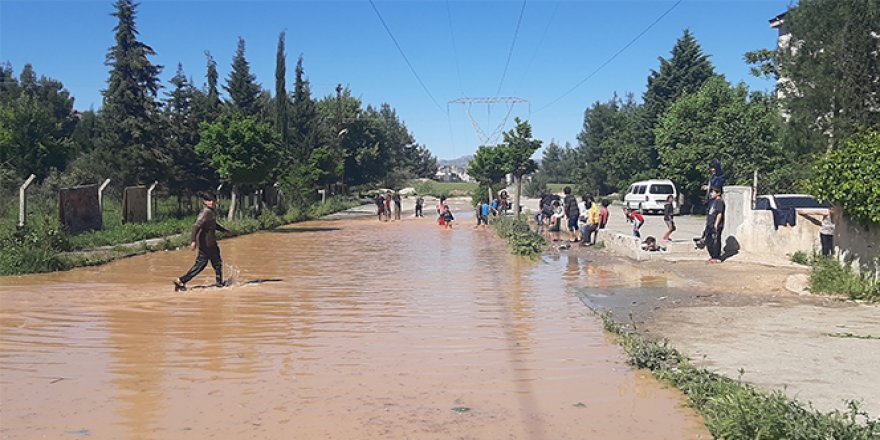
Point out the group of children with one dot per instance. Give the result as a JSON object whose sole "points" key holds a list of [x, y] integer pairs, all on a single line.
{"points": [[583, 219]]}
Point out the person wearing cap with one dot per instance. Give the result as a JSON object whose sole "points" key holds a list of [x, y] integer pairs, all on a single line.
{"points": [[204, 239]]}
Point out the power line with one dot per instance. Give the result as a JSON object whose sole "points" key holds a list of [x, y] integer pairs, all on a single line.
{"points": [[540, 43], [454, 47], [609, 60], [399, 49], [512, 44]]}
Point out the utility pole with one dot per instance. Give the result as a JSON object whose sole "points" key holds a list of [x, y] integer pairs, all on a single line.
{"points": [[339, 135]]}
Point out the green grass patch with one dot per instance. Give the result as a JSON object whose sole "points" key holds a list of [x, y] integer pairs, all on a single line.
{"points": [[734, 410], [519, 236], [446, 189], [830, 276]]}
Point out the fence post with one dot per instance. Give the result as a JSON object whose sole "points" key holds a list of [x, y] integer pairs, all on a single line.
{"points": [[150, 201], [101, 195], [323, 194], [22, 200]]}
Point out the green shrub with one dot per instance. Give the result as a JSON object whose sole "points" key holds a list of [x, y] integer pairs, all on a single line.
{"points": [[800, 257], [831, 276], [519, 236], [850, 177]]}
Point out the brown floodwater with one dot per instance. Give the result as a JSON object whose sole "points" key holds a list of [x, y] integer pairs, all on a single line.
{"points": [[365, 330]]}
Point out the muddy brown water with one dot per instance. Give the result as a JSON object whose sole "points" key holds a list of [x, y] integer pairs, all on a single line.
{"points": [[374, 331]]}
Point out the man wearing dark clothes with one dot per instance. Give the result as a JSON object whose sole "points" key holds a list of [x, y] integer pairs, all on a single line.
{"points": [[572, 212], [204, 238], [714, 225]]}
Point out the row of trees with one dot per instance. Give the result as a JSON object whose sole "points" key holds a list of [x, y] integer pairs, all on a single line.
{"points": [[829, 91], [193, 138]]}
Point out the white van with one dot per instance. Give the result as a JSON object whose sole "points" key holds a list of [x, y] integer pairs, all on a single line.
{"points": [[650, 195]]}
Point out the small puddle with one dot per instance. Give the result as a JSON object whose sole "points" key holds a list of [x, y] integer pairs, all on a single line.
{"points": [[357, 330]]}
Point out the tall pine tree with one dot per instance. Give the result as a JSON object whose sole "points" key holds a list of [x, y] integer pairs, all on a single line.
{"points": [[244, 92], [131, 130], [189, 171], [684, 72], [281, 98]]}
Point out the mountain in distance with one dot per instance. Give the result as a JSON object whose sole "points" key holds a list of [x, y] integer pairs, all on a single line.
{"points": [[457, 162]]}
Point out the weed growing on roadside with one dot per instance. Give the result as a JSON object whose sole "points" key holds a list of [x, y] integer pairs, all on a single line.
{"points": [[519, 236], [831, 276], [734, 410], [800, 257], [851, 335]]}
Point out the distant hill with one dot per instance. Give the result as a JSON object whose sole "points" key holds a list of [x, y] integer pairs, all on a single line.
{"points": [[458, 162]]}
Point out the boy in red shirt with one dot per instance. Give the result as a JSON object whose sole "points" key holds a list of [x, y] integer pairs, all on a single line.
{"points": [[637, 219]]}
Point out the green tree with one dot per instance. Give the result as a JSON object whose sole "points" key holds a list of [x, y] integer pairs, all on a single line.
{"points": [[488, 167], [244, 92], [517, 151], [206, 102], [684, 72], [719, 122], [611, 152], [281, 98], [849, 177], [243, 150], [130, 117], [830, 73], [189, 172], [37, 121]]}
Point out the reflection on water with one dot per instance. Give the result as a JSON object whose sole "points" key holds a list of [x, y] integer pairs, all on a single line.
{"points": [[372, 330]]}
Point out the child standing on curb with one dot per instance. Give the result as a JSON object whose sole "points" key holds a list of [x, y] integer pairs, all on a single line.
{"points": [[668, 217]]}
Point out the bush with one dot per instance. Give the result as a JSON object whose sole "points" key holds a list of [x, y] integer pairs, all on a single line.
{"points": [[850, 177], [831, 276], [520, 237]]}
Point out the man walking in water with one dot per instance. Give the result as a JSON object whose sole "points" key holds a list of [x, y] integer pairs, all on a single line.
{"points": [[203, 237]]}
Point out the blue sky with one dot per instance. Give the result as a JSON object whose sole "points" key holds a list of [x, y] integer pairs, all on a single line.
{"points": [[458, 48]]}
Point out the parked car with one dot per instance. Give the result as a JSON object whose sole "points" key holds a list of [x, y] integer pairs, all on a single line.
{"points": [[787, 201], [650, 195]]}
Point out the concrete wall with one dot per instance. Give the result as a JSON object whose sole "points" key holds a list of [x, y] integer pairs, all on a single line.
{"points": [[854, 241], [753, 231]]}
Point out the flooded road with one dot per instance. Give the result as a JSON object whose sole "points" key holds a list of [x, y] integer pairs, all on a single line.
{"points": [[366, 330]]}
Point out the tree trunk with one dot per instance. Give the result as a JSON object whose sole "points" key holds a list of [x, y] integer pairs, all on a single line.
{"points": [[516, 208], [232, 200]]}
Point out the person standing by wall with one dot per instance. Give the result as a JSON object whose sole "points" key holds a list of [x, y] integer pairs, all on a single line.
{"points": [[714, 225], [203, 238], [387, 202]]}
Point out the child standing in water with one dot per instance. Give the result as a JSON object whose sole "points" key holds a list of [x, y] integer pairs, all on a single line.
{"points": [[447, 217]]}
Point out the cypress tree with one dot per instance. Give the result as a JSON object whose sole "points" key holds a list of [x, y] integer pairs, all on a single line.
{"points": [[281, 97], [131, 131], [213, 93], [244, 92]]}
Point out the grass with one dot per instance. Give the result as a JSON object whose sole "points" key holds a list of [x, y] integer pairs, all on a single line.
{"points": [[830, 276], [519, 236], [42, 246], [735, 410], [447, 189]]}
